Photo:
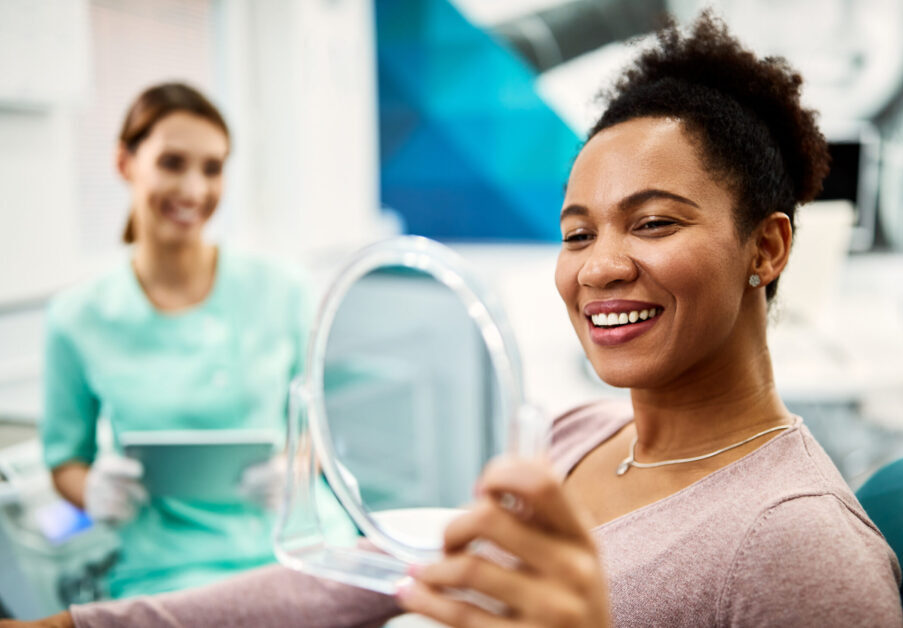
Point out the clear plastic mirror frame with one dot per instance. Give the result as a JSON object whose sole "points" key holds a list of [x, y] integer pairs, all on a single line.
{"points": [[298, 539]]}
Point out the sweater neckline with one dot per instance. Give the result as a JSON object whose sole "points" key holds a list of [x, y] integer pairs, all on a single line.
{"points": [[700, 483]]}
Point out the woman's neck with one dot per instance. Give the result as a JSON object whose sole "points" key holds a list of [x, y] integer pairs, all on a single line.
{"points": [[730, 400], [175, 277]]}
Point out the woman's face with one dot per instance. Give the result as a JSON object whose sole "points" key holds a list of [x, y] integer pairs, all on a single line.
{"points": [[176, 177], [651, 267]]}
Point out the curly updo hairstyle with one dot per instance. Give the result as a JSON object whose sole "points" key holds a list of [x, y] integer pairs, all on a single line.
{"points": [[745, 112]]}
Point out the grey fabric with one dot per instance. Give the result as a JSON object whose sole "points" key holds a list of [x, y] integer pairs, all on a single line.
{"points": [[270, 596], [773, 539]]}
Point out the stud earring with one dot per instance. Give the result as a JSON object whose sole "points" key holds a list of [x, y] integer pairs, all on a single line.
{"points": [[754, 280]]}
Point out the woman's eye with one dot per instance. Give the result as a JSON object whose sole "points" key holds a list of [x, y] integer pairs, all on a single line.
{"points": [[578, 238], [173, 163], [213, 169], [658, 225]]}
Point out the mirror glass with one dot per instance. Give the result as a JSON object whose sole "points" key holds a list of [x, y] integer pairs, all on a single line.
{"points": [[411, 397]]}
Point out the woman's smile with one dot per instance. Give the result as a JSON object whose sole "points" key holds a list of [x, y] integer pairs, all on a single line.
{"points": [[185, 215], [619, 321]]}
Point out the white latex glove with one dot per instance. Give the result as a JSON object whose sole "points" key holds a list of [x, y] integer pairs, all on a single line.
{"points": [[113, 491], [262, 483]]}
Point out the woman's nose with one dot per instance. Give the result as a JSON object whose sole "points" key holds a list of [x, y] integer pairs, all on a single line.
{"points": [[608, 263], [193, 186]]}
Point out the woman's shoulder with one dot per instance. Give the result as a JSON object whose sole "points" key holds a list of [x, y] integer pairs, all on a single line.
{"points": [[805, 536], [795, 465], [578, 431], [91, 298], [790, 466], [258, 272], [812, 556]]}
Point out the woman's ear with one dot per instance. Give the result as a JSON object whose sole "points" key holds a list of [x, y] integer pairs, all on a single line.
{"points": [[773, 238], [124, 159]]}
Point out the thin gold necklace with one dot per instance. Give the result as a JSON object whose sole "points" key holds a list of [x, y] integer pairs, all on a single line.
{"points": [[630, 461]]}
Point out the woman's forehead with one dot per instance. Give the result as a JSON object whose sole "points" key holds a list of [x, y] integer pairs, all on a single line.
{"points": [[187, 132], [638, 154]]}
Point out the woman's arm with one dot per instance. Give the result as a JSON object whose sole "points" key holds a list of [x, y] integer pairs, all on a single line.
{"points": [[270, 596], [71, 407], [69, 481], [109, 490], [559, 579], [267, 597]]}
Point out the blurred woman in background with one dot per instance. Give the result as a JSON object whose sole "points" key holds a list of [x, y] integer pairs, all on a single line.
{"points": [[185, 335]]}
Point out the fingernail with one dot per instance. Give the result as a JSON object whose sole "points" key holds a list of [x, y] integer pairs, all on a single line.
{"points": [[478, 489], [414, 570], [405, 588]]}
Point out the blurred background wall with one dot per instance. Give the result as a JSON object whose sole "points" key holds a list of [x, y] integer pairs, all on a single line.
{"points": [[353, 120]]}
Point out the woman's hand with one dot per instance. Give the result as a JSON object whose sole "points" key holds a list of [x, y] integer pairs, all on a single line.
{"points": [[113, 492], [559, 581]]}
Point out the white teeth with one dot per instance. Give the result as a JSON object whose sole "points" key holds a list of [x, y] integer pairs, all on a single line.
{"points": [[623, 318], [184, 214]]}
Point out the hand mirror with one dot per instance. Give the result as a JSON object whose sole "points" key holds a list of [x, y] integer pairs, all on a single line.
{"points": [[412, 383]]}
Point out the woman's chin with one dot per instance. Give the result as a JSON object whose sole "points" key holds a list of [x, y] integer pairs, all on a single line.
{"points": [[178, 234], [618, 381], [626, 375]]}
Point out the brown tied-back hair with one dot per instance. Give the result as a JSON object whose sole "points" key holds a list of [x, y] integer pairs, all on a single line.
{"points": [[744, 111], [151, 106]]}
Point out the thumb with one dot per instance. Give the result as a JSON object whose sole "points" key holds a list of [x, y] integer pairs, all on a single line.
{"points": [[120, 467]]}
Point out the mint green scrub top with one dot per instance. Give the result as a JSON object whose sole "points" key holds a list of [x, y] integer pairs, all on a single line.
{"points": [[223, 364]]}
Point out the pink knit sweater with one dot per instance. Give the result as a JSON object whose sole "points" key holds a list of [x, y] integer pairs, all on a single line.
{"points": [[773, 539]]}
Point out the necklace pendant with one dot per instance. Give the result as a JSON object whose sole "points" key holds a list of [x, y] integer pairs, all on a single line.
{"points": [[622, 468]]}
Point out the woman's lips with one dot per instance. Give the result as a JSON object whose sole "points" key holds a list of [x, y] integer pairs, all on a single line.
{"points": [[622, 320], [184, 216], [609, 336]]}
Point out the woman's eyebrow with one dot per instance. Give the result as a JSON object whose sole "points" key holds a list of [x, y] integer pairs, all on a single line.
{"points": [[630, 202], [638, 198], [573, 210]]}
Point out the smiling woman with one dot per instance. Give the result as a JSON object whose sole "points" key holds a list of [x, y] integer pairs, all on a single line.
{"points": [[703, 501], [655, 233]]}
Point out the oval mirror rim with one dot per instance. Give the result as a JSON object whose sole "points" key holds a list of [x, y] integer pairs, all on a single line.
{"points": [[450, 269]]}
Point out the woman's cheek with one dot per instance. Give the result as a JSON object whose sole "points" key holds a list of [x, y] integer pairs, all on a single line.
{"points": [[566, 276]]}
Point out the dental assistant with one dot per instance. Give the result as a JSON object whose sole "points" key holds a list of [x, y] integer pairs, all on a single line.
{"points": [[184, 335]]}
